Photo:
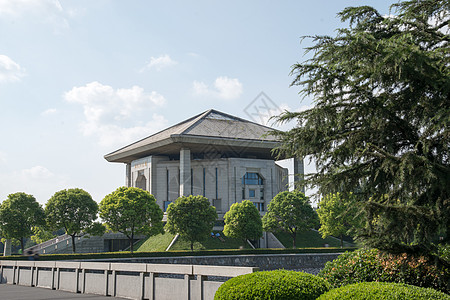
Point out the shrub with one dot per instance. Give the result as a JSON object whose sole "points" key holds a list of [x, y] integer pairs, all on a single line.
{"points": [[274, 285], [373, 265], [383, 290]]}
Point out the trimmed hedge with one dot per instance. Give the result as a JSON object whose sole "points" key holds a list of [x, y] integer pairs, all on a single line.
{"points": [[366, 265], [274, 285], [127, 254], [383, 290]]}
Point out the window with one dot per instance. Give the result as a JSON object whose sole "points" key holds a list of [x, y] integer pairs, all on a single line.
{"points": [[252, 179], [166, 205], [204, 182], [251, 193], [259, 206], [261, 194], [141, 180]]}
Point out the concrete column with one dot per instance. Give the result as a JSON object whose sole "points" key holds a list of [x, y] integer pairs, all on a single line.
{"points": [[7, 250], [128, 175], [299, 171], [185, 172]]}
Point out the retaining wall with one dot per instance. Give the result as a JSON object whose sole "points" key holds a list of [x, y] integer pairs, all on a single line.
{"points": [[128, 280], [262, 261]]}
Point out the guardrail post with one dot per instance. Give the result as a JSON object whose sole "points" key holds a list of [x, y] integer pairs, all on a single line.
{"points": [[142, 284], [114, 283], [83, 281], [1, 273], [15, 273], [58, 275], [187, 289], [106, 282], [36, 268], [31, 275], [151, 286], [200, 279]]}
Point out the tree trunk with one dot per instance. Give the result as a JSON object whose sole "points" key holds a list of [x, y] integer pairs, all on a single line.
{"points": [[131, 242], [73, 243], [342, 242], [294, 238], [192, 246], [21, 245]]}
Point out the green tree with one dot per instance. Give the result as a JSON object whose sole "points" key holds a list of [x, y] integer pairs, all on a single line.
{"points": [[290, 212], [380, 123], [74, 210], [243, 221], [41, 234], [192, 218], [339, 215], [131, 211], [19, 213]]}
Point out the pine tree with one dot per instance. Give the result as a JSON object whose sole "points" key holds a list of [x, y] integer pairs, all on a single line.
{"points": [[380, 126]]}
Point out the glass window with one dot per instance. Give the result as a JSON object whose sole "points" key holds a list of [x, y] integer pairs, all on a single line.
{"points": [[252, 179], [166, 205], [251, 193]]}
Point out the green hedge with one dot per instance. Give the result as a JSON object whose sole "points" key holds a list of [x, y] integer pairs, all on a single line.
{"points": [[383, 290], [127, 254], [274, 285], [366, 265]]}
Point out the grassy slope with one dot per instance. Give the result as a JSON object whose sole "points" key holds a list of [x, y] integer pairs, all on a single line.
{"points": [[155, 243], [210, 243], [309, 239]]}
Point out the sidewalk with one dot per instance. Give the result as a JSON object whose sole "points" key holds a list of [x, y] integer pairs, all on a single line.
{"points": [[20, 292]]}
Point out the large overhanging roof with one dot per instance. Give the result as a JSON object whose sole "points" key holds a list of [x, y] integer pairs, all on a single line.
{"points": [[210, 132]]}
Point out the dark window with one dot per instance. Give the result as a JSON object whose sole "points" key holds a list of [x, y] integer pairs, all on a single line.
{"points": [[252, 178], [251, 193], [217, 186], [166, 205], [204, 182]]}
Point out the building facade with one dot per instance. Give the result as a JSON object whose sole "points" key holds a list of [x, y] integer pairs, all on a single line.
{"points": [[216, 155]]}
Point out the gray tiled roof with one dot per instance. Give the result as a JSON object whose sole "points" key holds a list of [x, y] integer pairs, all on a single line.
{"points": [[209, 124]]}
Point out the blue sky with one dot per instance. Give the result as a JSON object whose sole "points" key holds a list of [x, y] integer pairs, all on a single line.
{"points": [[80, 79]]}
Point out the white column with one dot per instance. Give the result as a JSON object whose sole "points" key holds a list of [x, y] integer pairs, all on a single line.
{"points": [[185, 172], [128, 175], [299, 171], [7, 249]]}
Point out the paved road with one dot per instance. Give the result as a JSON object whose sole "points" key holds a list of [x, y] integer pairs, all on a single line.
{"points": [[19, 292]]}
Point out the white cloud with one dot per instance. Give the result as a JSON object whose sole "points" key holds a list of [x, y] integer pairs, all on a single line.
{"points": [[9, 69], [37, 181], [112, 114], [159, 63], [50, 111], [44, 11], [223, 88]]}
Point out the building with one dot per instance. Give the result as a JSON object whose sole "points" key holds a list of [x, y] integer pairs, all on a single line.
{"points": [[222, 157]]}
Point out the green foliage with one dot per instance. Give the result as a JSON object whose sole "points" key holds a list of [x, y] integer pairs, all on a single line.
{"points": [[243, 221], [19, 213], [41, 234], [274, 285], [380, 125], [131, 211], [192, 218], [290, 212], [338, 215], [373, 265], [383, 290], [72, 209]]}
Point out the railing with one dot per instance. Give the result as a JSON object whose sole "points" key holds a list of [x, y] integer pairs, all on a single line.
{"points": [[53, 241], [128, 280]]}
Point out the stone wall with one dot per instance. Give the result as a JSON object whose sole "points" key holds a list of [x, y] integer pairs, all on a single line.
{"points": [[262, 261]]}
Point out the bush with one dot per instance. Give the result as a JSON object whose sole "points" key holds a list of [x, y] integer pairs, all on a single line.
{"points": [[366, 265], [383, 290], [274, 285]]}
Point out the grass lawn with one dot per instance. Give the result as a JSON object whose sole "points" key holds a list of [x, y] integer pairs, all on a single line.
{"points": [[210, 243], [158, 242], [309, 239]]}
